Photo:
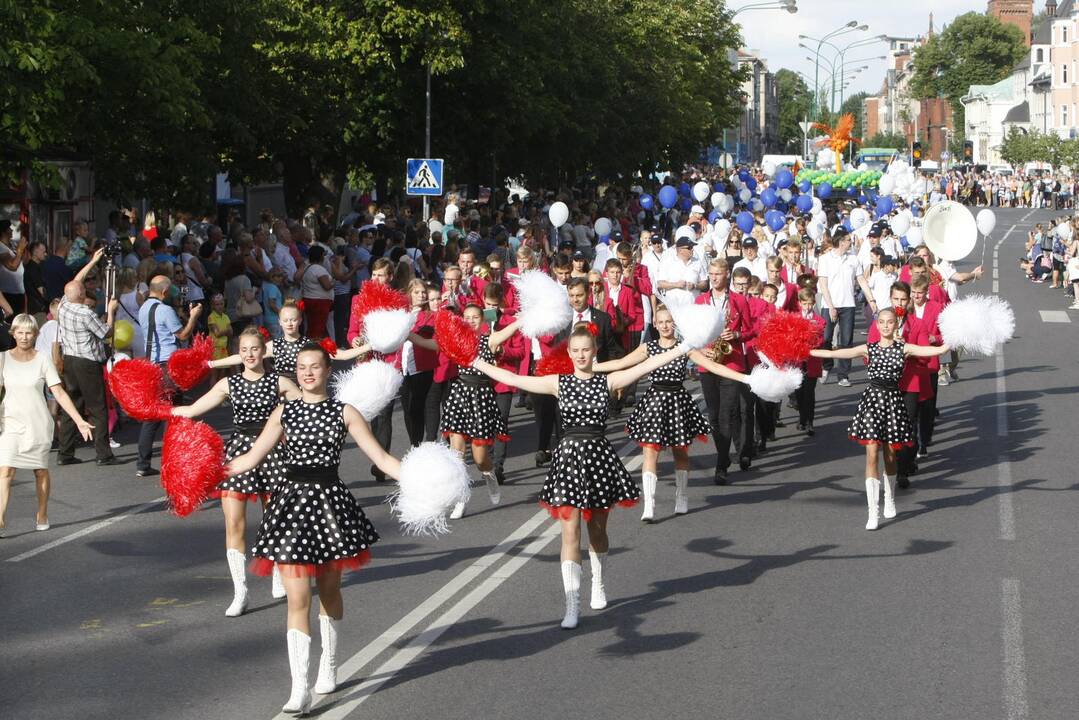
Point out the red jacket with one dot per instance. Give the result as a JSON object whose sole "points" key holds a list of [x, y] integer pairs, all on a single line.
{"points": [[424, 327], [642, 283], [813, 367], [796, 270], [514, 355], [790, 300], [739, 319], [630, 307], [924, 327], [760, 311]]}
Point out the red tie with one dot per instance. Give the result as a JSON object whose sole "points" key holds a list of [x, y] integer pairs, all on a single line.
{"points": [[580, 317]]}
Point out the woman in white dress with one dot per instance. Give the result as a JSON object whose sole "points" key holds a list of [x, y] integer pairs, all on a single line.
{"points": [[27, 425]]}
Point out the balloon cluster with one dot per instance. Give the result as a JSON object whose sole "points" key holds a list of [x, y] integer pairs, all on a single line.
{"points": [[844, 180]]}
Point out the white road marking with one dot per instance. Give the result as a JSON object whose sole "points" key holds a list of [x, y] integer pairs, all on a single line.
{"points": [[85, 531], [1015, 674], [1005, 499], [1054, 316]]}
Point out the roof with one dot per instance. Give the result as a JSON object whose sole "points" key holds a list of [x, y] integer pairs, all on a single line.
{"points": [[1022, 64], [1003, 90], [1019, 114], [1044, 33]]}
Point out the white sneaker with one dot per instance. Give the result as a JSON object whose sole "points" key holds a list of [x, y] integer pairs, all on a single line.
{"points": [[844, 382], [458, 511], [823, 377], [113, 444], [493, 490]]}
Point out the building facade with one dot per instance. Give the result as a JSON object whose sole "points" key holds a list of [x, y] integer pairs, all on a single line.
{"points": [[758, 131], [1019, 13]]}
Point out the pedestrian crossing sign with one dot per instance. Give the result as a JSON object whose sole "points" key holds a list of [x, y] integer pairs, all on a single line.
{"points": [[423, 176]]}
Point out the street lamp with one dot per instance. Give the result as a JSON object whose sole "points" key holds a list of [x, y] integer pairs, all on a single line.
{"points": [[790, 6], [841, 56], [848, 27]]}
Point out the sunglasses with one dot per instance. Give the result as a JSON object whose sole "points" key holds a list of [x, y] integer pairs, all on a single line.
{"points": [[595, 284]]}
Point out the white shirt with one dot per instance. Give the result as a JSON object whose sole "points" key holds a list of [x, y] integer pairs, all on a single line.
{"points": [[840, 271], [674, 270], [46, 336], [311, 287], [652, 260], [603, 254], [947, 271], [758, 267], [282, 258], [880, 284], [177, 236], [1073, 269], [583, 316]]}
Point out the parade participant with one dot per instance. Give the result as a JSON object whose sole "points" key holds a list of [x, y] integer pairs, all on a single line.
{"points": [[470, 415], [925, 313], [792, 261], [752, 260], [587, 477], [27, 424], [313, 526], [729, 403], [763, 413], [880, 423], [635, 275], [805, 397], [786, 291], [282, 350], [418, 362], [513, 356], [253, 395], [838, 274], [666, 416], [683, 270]]}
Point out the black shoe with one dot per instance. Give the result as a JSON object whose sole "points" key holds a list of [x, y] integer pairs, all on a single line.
{"points": [[913, 469], [377, 474], [772, 437], [810, 431], [521, 401], [543, 458], [902, 481], [68, 461], [110, 460], [922, 453], [720, 478], [500, 474], [780, 423], [762, 448], [148, 472], [745, 462]]}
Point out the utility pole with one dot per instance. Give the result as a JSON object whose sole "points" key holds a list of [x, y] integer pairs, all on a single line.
{"points": [[427, 143]]}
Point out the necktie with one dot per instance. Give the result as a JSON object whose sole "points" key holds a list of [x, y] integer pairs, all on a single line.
{"points": [[580, 317]]}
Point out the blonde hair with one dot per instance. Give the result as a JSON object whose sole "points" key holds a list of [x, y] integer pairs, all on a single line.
{"points": [[24, 320]]}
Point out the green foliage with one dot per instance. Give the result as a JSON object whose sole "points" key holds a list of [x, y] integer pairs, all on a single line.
{"points": [[888, 140], [1020, 148], [795, 101]]}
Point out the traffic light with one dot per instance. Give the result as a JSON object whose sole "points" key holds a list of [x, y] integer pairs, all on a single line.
{"points": [[968, 151], [916, 154]]}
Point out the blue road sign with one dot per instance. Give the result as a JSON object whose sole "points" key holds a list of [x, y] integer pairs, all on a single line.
{"points": [[423, 176]]}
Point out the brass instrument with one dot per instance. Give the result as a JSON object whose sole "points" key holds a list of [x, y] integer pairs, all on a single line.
{"points": [[722, 348]]}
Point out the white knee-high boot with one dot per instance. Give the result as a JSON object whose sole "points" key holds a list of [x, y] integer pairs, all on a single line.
{"points": [[493, 490], [236, 562], [571, 585], [648, 491], [327, 666], [872, 493], [299, 655], [888, 481], [596, 561], [681, 493], [277, 586]]}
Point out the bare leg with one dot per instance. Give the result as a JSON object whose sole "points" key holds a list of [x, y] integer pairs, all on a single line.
{"points": [[43, 485], [330, 602], [7, 474], [889, 460], [651, 459], [871, 452], [299, 603], [571, 538], [235, 523], [597, 533], [681, 458], [481, 457]]}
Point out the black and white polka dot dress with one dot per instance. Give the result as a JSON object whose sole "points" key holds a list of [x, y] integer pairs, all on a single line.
{"points": [[470, 408], [285, 353], [252, 403], [667, 415], [881, 416], [313, 523], [586, 473]]}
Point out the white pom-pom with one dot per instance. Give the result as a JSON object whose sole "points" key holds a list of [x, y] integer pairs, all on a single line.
{"points": [[369, 387], [699, 325], [676, 296], [387, 330], [772, 384], [545, 308], [433, 480], [977, 324]]}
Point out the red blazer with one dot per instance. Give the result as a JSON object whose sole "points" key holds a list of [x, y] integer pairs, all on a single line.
{"points": [[424, 327], [924, 327], [642, 283], [790, 301], [514, 355], [739, 319], [760, 311], [796, 270], [936, 292], [813, 367], [629, 304]]}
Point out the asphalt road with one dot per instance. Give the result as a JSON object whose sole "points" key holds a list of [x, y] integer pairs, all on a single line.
{"points": [[768, 600]]}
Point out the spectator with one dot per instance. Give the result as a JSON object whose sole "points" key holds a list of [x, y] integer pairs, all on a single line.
{"points": [[316, 289], [838, 274], [11, 267], [273, 299], [37, 303], [220, 327]]}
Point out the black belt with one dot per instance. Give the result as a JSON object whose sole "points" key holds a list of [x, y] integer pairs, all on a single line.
{"points": [[252, 428], [585, 432], [316, 474], [668, 387], [883, 385], [475, 380]]}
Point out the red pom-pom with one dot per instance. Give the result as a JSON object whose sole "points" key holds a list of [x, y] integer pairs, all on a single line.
{"points": [[300, 305], [594, 329], [188, 367], [329, 346], [557, 362], [139, 387], [192, 463], [376, 296], [264, 333], [455, 338], [786, 338]]}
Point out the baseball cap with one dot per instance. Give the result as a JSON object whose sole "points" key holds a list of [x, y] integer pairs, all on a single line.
{"points": [[566, 245], [749, 242], [875, 230], [685, 242], [839, 233], [657, 239], [685, 232], [579, 255]]}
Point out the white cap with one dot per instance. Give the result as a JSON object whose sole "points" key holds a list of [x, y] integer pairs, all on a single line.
{"points": [[696, 209], [380, 219], [636, 189], [685, 231]]}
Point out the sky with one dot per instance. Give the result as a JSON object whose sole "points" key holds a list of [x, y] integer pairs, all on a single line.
{"points": [[775, 32]]}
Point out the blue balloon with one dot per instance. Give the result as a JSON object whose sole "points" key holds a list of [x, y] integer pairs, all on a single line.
{"points": [[885, 205], [668, 196], [804, 203], [782, 206], [751, 183], [743, 175], [719, 187], [824, 190], [784, 179], [685, 190], [804, 186], [777, 221], [745, 221], [647, 201], [686, 204], [769, 197], [846, 225], [852, 191], [713, 216]]}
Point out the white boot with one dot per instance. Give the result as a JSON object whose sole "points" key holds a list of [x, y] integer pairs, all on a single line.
{"points": [[299, 654], [327, 665], [458, 511], [872, 493], [889, 495], [681, 496], [599, 593], [492, 487], [277, 588], [571, 585], [236, 562], [648, 491]]}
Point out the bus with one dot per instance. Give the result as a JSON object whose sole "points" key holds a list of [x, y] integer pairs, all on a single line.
{"points": [[875, 158]]}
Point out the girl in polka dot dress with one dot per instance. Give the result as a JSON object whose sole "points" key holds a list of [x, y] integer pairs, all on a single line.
{"points": [[253, 394], [313, 524], [667, 416], [470, 414], [880, 423], [586, 478]]}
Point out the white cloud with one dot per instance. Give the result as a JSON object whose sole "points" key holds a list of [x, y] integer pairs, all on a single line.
{"points": [[775, 32]]}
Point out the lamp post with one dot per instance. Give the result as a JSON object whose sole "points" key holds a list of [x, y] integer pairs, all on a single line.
{"points": [[790, 6], [841, 54], [848, 27]]}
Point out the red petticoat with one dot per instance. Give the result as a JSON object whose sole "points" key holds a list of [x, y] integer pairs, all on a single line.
{"points": [[660, 448], [242, 497], [487, 442], [893, 446], [264, 566], [563, 512]]}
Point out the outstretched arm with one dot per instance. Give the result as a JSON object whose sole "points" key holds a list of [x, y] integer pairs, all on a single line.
{"points": [[841, 354], [925, 350], [287, 388], [267, 439], [213, 397], [546, 385], [715, 368], [495, 339], [639, 354], [361, 433], [85, 428], [235, 360], [625, 378]]}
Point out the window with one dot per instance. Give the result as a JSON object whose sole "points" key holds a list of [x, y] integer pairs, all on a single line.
{"points": [[1039, 55], [1064, 34], [1064, 74], [1063, 116]]}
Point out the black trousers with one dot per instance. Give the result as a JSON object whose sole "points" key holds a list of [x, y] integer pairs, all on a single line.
{"points": [[548, 422], [84, 381], [766, 418], [805, 397], [905, 456], [730, 411], [927, 415], [414, 392], [505, 402], [342, 306], [436, 395]]}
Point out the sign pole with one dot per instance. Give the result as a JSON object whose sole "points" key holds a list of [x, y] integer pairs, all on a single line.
{"points": [[427, 142]]}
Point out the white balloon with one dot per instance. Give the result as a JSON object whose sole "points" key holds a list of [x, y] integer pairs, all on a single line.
{"points": [[900, 224], [701, 190], [756, 205], [858, 218], [558, 214], [815, 230], [914, 236], [817, 205], [819, 217], [863, 167], [886, 184], [716, 199], [826, 159], [986, 220], [722, 229], [726, 204], [769, 168], [785, 195], [897, 167], [745, 194], [603, 227]]}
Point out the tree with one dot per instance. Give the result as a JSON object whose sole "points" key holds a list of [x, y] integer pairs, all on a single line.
{"points": [[1018, 147], [795, 101], [888, 140]]}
